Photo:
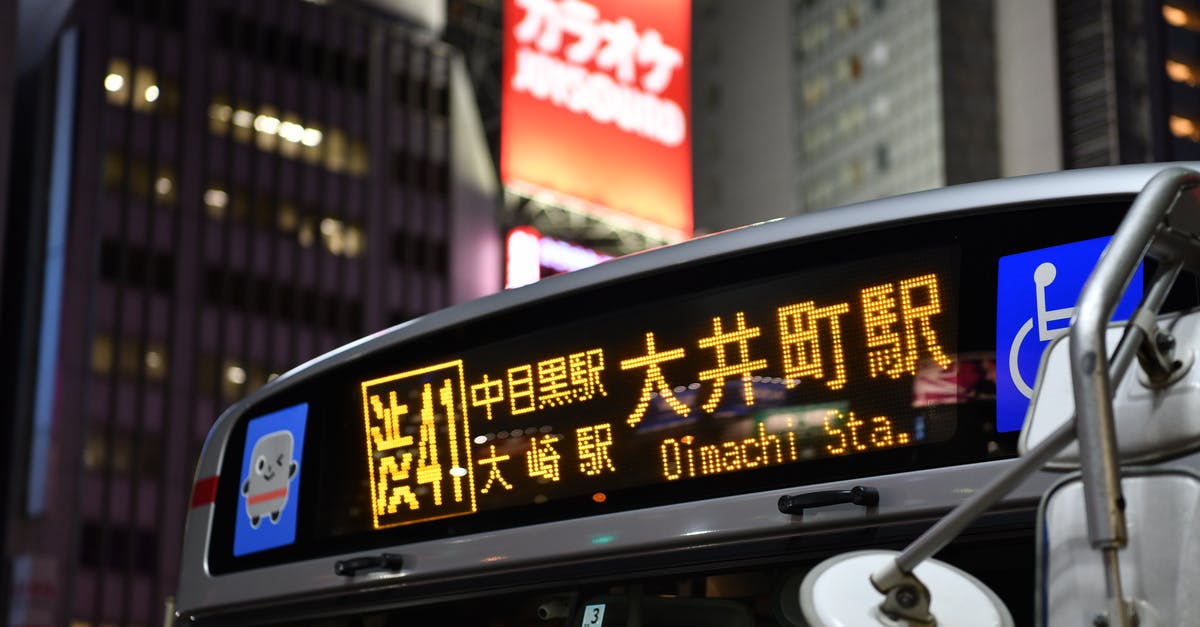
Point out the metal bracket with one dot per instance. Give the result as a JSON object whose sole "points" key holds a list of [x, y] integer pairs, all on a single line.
{"points": [[906, 599]]}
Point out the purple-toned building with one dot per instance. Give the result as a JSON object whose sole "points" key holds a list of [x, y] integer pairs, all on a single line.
{"points": [[205, 194]]}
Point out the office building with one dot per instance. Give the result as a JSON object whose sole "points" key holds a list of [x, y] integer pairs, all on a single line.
{"points": [[805, 105], [1123, 80], [1173, 47], [210, 193]]}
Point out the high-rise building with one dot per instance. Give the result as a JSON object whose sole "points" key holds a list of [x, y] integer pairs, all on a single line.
{"points": [[1125, 76], [1173, 49], [211, 192], [805, 105], [1105, 81]]}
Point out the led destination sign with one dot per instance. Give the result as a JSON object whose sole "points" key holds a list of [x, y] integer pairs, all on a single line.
{"points": [[812, 365]]}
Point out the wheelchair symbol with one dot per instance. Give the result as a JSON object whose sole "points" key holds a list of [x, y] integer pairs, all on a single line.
{"points": [[1043, 276]]}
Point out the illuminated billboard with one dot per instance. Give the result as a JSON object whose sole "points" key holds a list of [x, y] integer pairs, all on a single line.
{"points": [[531, 257], [596, 106]]}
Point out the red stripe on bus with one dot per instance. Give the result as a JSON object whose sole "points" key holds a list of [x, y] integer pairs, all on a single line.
{"points": [[266, 496], [205, 491]]}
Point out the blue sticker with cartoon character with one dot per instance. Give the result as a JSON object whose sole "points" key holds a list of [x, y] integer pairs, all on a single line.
{"points": [[268, 486]]}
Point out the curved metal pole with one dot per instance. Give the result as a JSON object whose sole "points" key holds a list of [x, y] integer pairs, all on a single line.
{"points": [[1088, 355], [1094, 424]]}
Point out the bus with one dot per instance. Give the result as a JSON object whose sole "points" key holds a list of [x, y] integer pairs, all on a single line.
{"points": [[690, 435]]}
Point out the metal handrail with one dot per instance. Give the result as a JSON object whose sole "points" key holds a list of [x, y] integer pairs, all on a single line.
{"points": [[1146, 227]]}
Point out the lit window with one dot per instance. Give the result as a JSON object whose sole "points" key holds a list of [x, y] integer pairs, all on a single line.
{"points": [[145, 85], [156, 361], [243, 124], [335, 151], [305, 234], [291, 131], [314, 146], [312, 137], [846, 19], [357, 164], [243, 118], [288, 135], [215, 201], [1176, 16], [233, 380], [116, 83], [1181, 72], [102, 354], [266, 125], [335, 242], [287, 218], [93, 460], [814, 91], [139, 179], [114, 171], [354, 242], [1183, 127], [124, 357], [164, 187], [879, 54], [235, 374], [881, 106], [220, 114]]}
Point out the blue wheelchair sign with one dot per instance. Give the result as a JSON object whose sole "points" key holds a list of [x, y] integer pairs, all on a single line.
{"points": [[1035, 302]]}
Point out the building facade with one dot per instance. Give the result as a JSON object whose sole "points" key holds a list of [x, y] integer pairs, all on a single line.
{"points": [[216, 192], [805, 105]]}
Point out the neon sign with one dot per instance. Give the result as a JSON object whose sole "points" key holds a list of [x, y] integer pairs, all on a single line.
{"points": [[532, 256], [596, 105]]}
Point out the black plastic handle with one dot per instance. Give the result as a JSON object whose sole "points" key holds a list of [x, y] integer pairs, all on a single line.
{"points": [[351, 567], [858, 495]]}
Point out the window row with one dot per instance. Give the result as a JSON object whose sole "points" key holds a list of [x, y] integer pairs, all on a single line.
{"points": [[169, 13], [139, 87], [414, 251], [129, 357], [306, 223], [413, 172], [841, 74], [233, 289], [271, 45], [129, 264], [419, 93], [812, 37], [287, 134], [118, 553], [100, 450], [141, 181], [231, 379]]}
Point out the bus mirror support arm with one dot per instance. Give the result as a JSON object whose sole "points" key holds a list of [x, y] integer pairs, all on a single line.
{"points": [[1092, 382], [1093, 421]]}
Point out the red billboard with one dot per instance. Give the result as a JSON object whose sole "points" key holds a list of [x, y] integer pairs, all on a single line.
{"points": [[596, 105]]}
